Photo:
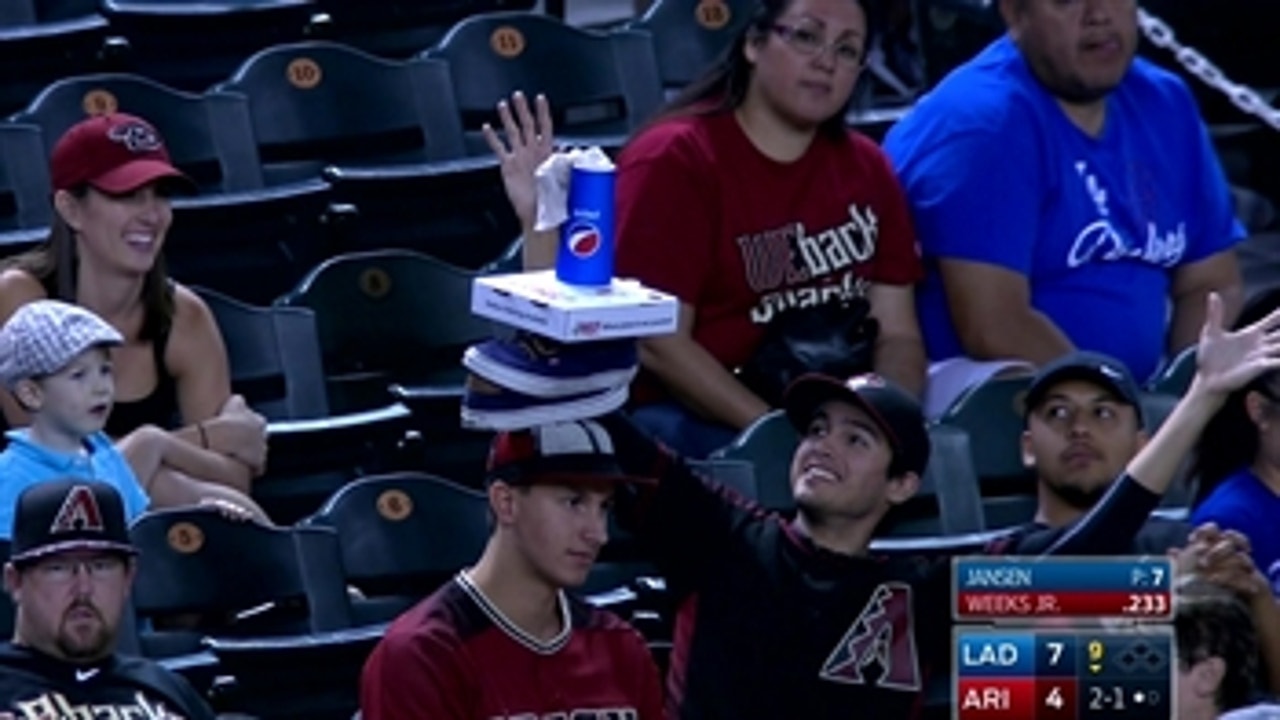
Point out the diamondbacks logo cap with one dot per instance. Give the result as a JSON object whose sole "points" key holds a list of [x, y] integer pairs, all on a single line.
{"points": [[575, 451], [116, 153], [894, 412], [61, 515], [1096, 368], [44, 336]]}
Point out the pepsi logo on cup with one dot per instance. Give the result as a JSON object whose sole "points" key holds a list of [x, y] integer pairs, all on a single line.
{"points": [[584, 240], [585, 258]]}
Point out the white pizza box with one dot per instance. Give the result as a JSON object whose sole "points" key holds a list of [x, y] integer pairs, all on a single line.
{"points": [[538, 302]]}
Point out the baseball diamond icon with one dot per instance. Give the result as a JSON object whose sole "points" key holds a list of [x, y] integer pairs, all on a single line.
{"points": [[1140, 658]]}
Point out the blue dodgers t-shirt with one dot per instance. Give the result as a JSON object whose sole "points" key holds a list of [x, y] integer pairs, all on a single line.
{"points": [[24, 463], [996, 173], [1243, 503]]}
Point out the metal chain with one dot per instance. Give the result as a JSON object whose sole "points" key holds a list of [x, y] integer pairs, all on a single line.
{"points": [[1243, 97]]}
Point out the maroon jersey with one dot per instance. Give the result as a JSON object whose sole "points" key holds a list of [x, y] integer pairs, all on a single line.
{"points": [[704, 215], [454, 656]]}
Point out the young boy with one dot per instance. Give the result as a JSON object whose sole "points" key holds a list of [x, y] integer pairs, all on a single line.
{"points": [[55, 359]]}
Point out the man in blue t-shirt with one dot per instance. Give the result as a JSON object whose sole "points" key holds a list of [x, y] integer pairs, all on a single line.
{"points": [[1066, 196]]}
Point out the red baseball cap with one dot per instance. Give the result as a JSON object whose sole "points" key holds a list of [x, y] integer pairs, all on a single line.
{"points": [[115, 153], [563, 452]]}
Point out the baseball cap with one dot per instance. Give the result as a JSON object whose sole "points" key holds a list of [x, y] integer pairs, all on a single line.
{"points": [[43, 336], [1102, 370], [116, 153], [894, 412], [68, 514], [572, 451]]}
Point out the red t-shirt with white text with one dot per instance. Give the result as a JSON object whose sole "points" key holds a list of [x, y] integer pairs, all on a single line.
{"points": [[704, 215]]}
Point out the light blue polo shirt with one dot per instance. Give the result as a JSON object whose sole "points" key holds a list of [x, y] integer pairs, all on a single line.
{"points": [[24, 463]]}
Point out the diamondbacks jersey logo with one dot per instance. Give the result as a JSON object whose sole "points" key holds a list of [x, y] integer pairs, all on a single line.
{"points": [[882, 635], [797, 266], [79, 513], [610, 714], [137, 137], [55, 705]]}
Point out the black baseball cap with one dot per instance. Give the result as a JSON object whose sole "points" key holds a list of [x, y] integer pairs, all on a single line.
{"points": [[561, 452], [1102, 370], [893, 410], [61, 515]]}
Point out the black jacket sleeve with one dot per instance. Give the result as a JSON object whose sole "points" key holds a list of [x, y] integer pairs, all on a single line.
{"points": [[1108, 529], [683, 519], [172, 686]]}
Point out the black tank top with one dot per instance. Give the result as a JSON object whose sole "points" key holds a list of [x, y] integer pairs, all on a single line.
{"points": [[159, 407]]}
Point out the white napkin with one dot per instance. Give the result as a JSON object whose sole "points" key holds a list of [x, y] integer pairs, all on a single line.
{"points": [[552, 179]]}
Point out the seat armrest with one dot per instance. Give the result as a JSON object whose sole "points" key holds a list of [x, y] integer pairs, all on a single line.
{"points": [[938, 544], [394, 414], [305, 643], [440, 168]]}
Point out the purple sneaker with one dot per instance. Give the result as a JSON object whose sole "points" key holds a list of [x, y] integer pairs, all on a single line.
{"points": [[538, 367], [486, 406]]}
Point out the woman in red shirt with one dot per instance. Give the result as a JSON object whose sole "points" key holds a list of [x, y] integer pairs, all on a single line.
{"points": [[747, 196]]}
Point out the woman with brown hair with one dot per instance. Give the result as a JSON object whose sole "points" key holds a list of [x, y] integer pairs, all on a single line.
{"points": [[749, 197], [112, 178]]}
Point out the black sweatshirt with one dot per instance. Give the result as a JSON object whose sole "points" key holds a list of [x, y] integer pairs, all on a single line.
{"points": [[772, 626]]}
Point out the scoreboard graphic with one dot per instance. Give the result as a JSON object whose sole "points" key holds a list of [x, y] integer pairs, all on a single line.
{"points": [[1059, 675], [994, 588], [1063, 638]]}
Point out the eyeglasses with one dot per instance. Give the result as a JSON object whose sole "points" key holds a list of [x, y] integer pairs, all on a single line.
{"points": [[63, 571], [808, 41]]}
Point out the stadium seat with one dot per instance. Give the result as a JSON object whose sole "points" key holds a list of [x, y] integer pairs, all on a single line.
{"points": [[43, 40], [273, 353], [949, 501], [302, 677], [391, 134], [403, 535], [1175, 378], [769, 444], [992, 415], [390, 316], [239, 578], [690, 35], [192, 45], [614, 85], [207, 136], [236, 235], [952, 31], [455, 211], [321, 103], [400, 28], [25, 210], [274, 358], [394, 321], [312, 458]]}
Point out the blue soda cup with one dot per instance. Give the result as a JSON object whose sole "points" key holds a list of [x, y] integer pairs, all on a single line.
{"points": [[586, 237]]}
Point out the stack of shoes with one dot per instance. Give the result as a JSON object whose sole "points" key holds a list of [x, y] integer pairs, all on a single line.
{"points": [[528, 380]]}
